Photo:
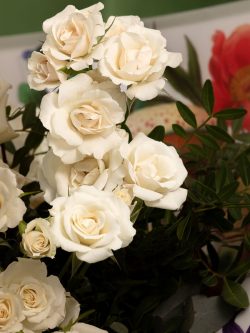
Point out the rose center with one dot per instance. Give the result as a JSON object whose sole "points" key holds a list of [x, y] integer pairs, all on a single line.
{"points": [[240, 85], [87, 225], [86, 119], [5, 311], [85, 172], [33, 297], [39, 243]]}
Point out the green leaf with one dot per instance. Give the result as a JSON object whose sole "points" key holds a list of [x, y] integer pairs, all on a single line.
{"points": [[182, 227], [136, 211], [186, 114], [21, 227], [239, 270], [208, 141], [29, 116], [234, 294], [237, 125], [180, 80], [118, 327], [221, 177], [157, 133], [228, 190], [219, 134], [244, 169], [193, 64], [207, 97], [178, 130], [197, 150], [230, 114]]}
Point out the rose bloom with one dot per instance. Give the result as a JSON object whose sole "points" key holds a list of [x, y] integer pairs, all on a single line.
{"points": [[84, 328], [91, 223], [230, 70], [12, 208], [72, 311], [43, 297], [44, 71], [11, 312], [117, 25], [81, 119], [6, 132], [137, 59], [72, 35], [59, 179], [155, 172], [37, 239]]}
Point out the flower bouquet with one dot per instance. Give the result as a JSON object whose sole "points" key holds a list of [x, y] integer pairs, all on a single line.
{"points": [[102, 231]]}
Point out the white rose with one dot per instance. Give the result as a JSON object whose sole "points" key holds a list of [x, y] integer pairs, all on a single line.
{"points": [[6, 132], [156, 172], [117, 25], [72, 311], [44, 71], [91, 223], [43, 297], [59, 179], [125, 193], [12, 208], [11, 312], [73, 34], [84, 328], [137, 59], [81, 119], [37, 239]]}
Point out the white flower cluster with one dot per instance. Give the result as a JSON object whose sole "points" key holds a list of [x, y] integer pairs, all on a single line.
{"points": [[32, 302], [92, 175]]}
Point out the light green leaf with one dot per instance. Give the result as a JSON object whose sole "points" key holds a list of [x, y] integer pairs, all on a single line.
{"points": [[234, 294]]}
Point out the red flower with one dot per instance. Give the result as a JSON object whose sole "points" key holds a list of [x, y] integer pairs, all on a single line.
{"points": [[230, 70]]}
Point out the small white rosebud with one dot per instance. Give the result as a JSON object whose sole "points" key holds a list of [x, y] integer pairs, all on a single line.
{"points": [[37, 239]]}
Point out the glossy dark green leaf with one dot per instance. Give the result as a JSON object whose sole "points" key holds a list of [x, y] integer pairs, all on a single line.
{"points": [[230, 114], [157, 133], [180, 80], [29, 116], [213, 256], [193, 64], [207, 97], [234, 294], [219, 133], [179, 130], [186, 114]]}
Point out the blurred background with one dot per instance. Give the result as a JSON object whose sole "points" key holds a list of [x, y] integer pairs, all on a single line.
{"points": [[21, 25]]}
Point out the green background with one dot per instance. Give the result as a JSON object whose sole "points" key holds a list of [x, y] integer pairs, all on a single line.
{"points": [[21, 16]]}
